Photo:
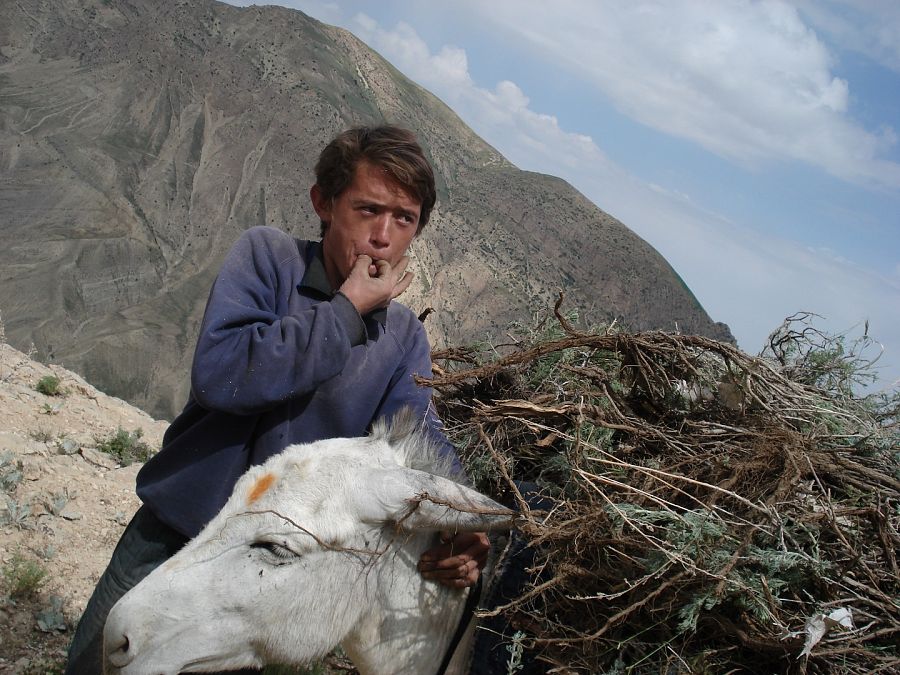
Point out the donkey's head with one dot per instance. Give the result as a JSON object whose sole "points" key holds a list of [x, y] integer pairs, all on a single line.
{"points": [[301, 556]]}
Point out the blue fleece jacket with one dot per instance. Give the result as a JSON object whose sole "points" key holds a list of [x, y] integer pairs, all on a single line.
{"points": [[280, 359]]}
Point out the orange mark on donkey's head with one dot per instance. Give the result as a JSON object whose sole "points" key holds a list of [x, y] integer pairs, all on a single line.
{"points": [[260, 487]]}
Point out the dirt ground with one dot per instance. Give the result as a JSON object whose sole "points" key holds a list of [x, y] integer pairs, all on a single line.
{"points": [[63, 505]]}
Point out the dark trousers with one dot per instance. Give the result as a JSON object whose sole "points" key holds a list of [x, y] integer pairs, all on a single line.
{"points": [[146, 543], [495, 635]]}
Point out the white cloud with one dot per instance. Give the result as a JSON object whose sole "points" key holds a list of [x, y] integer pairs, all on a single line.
{"points": [[746, 80], [870, 27], [406, 50]]}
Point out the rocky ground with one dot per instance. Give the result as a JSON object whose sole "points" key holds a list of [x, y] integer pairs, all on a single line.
{"points": [[63, 504]]}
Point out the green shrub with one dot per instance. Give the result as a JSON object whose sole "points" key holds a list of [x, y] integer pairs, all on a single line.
{"points": [[48, 409], [17, 514], [49, 386], [56, 502], [41, 435], [23, 576], [10, 472], [127, 447]]}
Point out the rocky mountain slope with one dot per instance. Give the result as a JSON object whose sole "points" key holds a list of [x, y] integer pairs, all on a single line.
{"points": [[138, 138], [63, 503]]}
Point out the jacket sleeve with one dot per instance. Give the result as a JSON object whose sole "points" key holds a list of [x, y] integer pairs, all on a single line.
{"points": [[403, 391], [251, 355]]}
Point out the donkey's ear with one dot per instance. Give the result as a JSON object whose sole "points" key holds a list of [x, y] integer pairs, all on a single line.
{"points": [[416, 500]]}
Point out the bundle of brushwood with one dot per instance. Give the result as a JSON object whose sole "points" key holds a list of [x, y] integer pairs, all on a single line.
{"points": [[711, 512]]}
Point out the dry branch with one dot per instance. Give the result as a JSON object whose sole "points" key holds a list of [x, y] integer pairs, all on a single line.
{"points": [[707, 503]]}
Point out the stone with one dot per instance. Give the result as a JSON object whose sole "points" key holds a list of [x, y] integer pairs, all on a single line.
{"points": [[97, 458]]}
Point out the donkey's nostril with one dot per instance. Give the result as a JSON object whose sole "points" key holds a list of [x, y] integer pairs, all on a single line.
{"points": [[117, 651]]}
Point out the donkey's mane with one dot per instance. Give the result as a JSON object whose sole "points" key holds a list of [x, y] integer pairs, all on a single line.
{"points": [[414, 447]]}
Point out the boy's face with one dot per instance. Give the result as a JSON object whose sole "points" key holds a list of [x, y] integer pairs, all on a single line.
{"points": [[375, 216]]}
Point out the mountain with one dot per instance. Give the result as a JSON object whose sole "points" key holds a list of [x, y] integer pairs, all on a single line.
{"points": [[138, 138]]}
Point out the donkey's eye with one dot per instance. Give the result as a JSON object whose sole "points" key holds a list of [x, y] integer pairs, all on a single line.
{"points": [[279, 551]]}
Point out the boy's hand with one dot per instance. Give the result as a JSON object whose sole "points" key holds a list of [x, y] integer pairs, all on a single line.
{"points": [[372, 284], [458, 561]]}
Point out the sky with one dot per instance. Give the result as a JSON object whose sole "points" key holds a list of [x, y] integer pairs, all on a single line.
{"points": [[753, 143]]}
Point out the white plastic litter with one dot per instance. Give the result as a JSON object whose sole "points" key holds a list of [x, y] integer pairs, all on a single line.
{"points": [[819, 624]]}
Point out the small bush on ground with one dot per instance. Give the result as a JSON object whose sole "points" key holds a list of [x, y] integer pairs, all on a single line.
{"points": [[56, 502], [126, 446], [23, 576], [49, 386], [17, 514], [10, 472], [41, 435]]}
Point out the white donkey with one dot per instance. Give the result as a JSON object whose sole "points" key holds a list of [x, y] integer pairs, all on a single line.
{"points": [[318, 546]]}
